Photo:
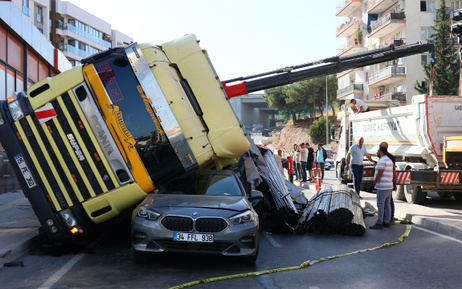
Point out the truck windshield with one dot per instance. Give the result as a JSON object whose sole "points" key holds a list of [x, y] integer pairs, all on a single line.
{"points": [[138, 119]]}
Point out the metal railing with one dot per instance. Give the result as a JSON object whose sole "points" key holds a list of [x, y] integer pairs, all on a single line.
{"points": [[384, 19], [349, 88], [399, 96], [386, 72], [75, 50], [70, 27], [8, 181], [349, 44]]}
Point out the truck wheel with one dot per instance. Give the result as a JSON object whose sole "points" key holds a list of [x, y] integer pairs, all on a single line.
{"points": [[414, 194], [339, 172], [445, 195], [398, 194]]}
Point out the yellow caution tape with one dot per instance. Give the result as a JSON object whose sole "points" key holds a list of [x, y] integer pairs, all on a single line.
{"points": [[301, 266]]}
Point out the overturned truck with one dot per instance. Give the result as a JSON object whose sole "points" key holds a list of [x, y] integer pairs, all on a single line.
{"points": [[88, 144]]}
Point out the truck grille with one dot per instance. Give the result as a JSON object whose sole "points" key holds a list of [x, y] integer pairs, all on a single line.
{"points": [[66, 159], [202, 225]]}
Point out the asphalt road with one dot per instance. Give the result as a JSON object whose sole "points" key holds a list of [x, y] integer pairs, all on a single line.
{"points": [[424, 260]]}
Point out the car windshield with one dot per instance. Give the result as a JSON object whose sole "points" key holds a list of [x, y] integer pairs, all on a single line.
{"points": [[203, 184]]}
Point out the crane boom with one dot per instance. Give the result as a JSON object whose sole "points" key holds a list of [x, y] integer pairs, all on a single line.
{"points": [[291, 74]]}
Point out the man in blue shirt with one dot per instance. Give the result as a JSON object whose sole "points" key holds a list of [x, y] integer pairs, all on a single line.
{"points": [[357, 153]]}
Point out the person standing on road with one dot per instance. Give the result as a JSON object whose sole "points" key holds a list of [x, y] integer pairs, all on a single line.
{"points": [[392, 204], [321, 156], [303, 159], [310, 161], [296, 157], [360, 105], [383, 182], [357, 153]]}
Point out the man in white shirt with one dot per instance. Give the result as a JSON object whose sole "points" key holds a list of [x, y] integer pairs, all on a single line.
{"points": [[383, 182], [360, 105]]}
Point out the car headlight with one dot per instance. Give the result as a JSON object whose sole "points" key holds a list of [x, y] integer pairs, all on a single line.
{"points": [[242, 218], [15, 109], [144, 212]]}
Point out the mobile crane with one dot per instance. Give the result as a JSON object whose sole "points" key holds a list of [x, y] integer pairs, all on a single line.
{"points": [[91, 142]]}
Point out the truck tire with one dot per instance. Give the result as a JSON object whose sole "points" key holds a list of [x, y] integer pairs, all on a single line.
{"points": [[414, 194], [340, 169], [398, 194]]}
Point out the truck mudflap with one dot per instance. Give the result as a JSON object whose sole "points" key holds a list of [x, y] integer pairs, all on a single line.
{"points": [[225, 133]]}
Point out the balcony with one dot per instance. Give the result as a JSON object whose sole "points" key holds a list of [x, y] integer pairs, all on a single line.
{"points": [[399, 96], [347, 7], [395, 42], [378, 6], [67, 26], [348, 28], [387, 24], [353, 88], [353, 45], [387, 75], [74, 50]]}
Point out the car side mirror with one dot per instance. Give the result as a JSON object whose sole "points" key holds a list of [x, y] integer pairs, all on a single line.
{"points": [[255, 195]]}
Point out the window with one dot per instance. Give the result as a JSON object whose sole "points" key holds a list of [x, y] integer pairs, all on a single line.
{"points": [[426, 33], [83, 46], [39, 15], [25, 7], [456, 4], [71, 42], [425, 59], [427, 6]]}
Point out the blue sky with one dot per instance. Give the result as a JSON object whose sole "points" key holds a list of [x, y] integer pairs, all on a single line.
{"points": [[242, 37]]}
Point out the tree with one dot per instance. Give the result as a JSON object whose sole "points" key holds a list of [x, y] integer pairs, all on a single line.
{"points": [[298, 96], [446, 68], [318, 130]]}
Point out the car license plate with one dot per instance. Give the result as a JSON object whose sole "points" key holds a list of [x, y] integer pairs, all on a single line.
{"points": [[189, 237]]}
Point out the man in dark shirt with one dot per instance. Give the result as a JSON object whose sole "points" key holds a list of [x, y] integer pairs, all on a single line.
{"points": [[310, 161], [392, 158]]}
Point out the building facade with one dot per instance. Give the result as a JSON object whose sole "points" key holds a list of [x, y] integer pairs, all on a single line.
{"points": [[41, 38], [372, 24]]}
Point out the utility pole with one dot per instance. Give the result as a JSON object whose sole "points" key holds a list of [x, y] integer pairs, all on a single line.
{"points": [[327, 119]]}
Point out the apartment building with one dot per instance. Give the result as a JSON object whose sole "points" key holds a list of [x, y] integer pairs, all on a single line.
{"points": [[373, 24], [80, 34], [26, 56]]}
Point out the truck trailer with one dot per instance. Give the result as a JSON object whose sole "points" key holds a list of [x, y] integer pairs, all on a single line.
{"points": [[416, 137]]}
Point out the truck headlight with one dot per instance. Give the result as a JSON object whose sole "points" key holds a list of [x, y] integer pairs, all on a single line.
{"points": [[70, 221], [16, 111], [241, 218]]}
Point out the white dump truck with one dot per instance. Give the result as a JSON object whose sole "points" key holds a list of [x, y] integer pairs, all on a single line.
{"points": [[416, 137]]}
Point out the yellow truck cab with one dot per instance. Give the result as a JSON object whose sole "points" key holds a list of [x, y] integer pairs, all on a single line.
{"points": [[89, 143]]}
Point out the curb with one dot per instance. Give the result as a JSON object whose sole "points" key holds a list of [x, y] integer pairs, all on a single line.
{"points": [[16, 249]]}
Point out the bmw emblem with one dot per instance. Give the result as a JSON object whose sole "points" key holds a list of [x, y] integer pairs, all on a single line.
{"points": [[194, 213]]}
